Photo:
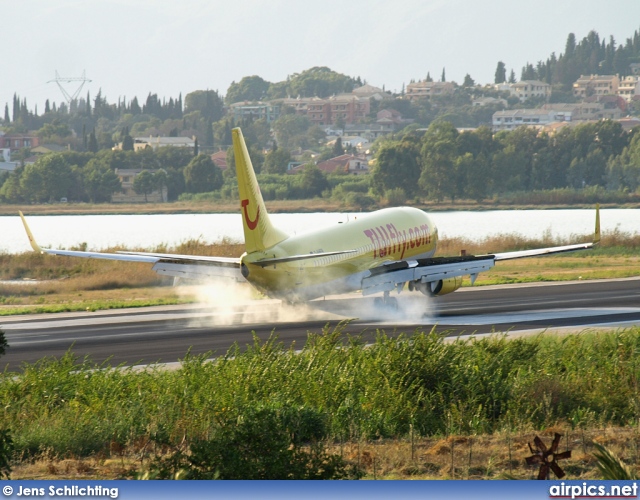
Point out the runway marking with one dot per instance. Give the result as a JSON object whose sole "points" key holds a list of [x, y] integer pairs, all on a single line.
{"points": [[514, 317]]}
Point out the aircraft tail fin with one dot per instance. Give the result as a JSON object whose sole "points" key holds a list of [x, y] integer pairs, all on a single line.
{"points": [[259, 233]]}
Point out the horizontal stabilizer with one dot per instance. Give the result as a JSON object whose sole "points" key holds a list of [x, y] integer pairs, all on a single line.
{"points": [[230, 261], [293, 258]]}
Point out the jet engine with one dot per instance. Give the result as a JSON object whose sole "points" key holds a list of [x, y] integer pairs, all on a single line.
{"points": [[435, 288]]}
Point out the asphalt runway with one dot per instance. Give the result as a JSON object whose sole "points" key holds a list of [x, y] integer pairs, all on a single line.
{"points": [[165, 334]]}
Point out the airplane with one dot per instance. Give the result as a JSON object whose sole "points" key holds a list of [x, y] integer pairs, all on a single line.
{"points": [[386, 251]]}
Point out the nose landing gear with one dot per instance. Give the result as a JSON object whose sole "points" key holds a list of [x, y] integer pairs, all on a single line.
{"points": [[386, 302]]}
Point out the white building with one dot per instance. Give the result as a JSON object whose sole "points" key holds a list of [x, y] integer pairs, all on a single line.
{"points": [[511, 119], [6, 165], [629, 87], [528, 89]]}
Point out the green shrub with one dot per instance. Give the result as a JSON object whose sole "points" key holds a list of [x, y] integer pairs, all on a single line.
{"points": [[258, 443]]}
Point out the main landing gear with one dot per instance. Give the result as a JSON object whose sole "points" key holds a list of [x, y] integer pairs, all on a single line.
{"points": [[386, 302]]}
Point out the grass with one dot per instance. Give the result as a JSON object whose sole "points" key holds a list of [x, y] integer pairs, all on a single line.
{"points": [[414, 406], [411, 406], [71, 284]]}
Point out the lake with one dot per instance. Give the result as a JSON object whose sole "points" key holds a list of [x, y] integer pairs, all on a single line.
{"points": [[148, 231]]}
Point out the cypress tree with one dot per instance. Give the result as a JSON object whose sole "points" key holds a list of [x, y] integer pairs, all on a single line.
{"points": [[501, 73], [93, 142]]}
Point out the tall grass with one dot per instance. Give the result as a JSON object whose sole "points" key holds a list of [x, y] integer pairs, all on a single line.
{"points": [[103, 274], [566, 196], [68, 274], [420, 382]]}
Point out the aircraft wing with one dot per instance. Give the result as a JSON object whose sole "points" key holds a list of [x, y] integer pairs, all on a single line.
{"points": [[179, 266], [393, 275]]}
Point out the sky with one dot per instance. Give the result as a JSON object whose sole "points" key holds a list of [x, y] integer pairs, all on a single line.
{"points": [[133, 47]]}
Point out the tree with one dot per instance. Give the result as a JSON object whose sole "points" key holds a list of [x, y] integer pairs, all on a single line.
{"points": [[100, 181], [208, 137], [468, 81], [93, 142], [250, 88], [160, 179], [289, 126], [338, 150], [320, 81], [54, 131], [438, 154], [623, 171], [202, 176], [276, 161], [49, 179], [443, 78], [397, 165], [207, 102], [11, 191], [143, 183], [127, 140], [512, 77], [501, 73], [313, 181]]}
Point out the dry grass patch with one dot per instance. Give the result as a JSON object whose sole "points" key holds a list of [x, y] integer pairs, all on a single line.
{"points": [[496, 456]]}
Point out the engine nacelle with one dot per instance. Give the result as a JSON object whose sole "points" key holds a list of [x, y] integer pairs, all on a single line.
{"points": [[440, 287]]}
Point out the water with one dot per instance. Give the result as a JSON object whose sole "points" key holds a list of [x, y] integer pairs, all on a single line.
{"points": [[149, 231]]}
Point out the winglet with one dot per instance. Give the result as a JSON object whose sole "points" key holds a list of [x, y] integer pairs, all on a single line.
{"points": [[596, 235], [32, 240]]}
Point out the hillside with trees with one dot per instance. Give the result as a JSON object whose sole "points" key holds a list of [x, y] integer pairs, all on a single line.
{"points": [[446, 150]]}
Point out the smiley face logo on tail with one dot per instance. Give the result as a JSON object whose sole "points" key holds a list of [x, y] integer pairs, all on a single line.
{"points": [[251, 224]]}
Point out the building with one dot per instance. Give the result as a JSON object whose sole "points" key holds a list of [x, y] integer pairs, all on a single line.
{"points": [[427, 90], [511, 119], [46, 149], [531, 89], [350, 164], [346, 108], [629, 87], [159, 142], [128, 194], [602, 107], [489, 101], [589, 85], [6, 165], [370, 92], [255, 111], [15, 142], [219, 159], [357, 142]]}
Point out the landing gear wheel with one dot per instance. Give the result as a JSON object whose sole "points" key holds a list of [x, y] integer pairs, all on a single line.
{"points": [[386, 303]]}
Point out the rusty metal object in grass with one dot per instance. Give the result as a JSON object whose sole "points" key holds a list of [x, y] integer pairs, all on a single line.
{"points": [[547, 457]]}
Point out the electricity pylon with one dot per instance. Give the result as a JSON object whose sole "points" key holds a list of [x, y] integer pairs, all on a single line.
{"points": [[64, 79]]}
